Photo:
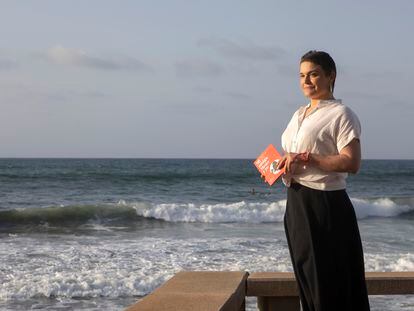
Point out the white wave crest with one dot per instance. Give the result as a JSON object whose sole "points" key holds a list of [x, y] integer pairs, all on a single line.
{"points": [[212, 213], [389, 262], [383, 207], [254, 212]]}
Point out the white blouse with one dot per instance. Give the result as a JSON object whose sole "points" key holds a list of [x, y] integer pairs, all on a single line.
{"points": [[325, 131]]}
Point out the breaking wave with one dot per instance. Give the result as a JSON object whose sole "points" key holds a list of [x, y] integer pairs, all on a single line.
{"points": [[133, 212]]}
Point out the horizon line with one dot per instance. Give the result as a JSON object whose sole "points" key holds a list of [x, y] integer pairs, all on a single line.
{"points": [[167, 158]]}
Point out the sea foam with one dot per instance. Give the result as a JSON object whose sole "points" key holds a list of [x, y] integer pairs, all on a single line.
{"points": [[89, 266], [251, 212]]}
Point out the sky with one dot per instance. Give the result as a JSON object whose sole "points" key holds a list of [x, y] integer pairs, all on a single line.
{"points": [[195, 79]]}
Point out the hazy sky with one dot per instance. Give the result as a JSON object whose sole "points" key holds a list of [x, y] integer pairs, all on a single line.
{"points": [[204, 79]]}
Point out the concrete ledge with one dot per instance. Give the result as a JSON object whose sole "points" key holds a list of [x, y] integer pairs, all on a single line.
{"points": [[390, 283], [275, 284], [226, 290], [283, 284], [198, 290]]}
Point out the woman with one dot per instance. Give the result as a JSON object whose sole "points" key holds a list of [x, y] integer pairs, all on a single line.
{"points": [[322, 145]]}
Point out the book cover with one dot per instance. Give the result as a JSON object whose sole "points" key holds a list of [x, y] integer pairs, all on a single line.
{"points": [[267, 162]]}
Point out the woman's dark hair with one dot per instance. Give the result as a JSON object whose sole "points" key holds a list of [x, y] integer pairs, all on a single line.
{"points": [[322, 59]]}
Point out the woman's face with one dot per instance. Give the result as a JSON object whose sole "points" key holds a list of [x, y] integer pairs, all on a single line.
{"points": [[313, 81]]}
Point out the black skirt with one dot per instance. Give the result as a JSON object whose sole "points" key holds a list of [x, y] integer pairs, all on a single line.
{"points": [[326, 250]]}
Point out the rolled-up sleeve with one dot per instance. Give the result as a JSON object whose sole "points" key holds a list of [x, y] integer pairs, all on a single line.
{"points": [[348, 128]]}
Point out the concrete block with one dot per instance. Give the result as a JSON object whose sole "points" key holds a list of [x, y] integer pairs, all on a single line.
{"points": [[198, 290]]}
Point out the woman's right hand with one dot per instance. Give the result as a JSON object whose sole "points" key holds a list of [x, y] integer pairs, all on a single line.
{"points": [[288, 162]]}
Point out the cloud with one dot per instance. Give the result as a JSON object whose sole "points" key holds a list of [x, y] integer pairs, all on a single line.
{"points": [[245, 50], [76, 57], [198, 67], [18, 93], [6, 64]]}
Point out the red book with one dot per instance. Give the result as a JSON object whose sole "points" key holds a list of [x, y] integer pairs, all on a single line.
{"points": [[266, 163]]}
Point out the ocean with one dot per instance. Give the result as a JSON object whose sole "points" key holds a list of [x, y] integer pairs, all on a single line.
{"points": [[99, 234]]}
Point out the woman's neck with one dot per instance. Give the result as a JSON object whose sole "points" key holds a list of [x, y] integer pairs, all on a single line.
{"points": [[314, 101]]}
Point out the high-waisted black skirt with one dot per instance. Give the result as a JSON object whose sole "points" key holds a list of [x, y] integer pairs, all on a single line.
{"points": [[326, 250]]}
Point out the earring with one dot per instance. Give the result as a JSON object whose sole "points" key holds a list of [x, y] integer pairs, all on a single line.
{"points": [[331, 88]]}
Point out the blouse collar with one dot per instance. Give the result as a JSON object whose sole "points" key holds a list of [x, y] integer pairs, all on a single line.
{"points": [[321, 103], [324, 102]]}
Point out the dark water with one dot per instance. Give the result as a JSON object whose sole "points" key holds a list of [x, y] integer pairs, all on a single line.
{"points": [[73, 190]]}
